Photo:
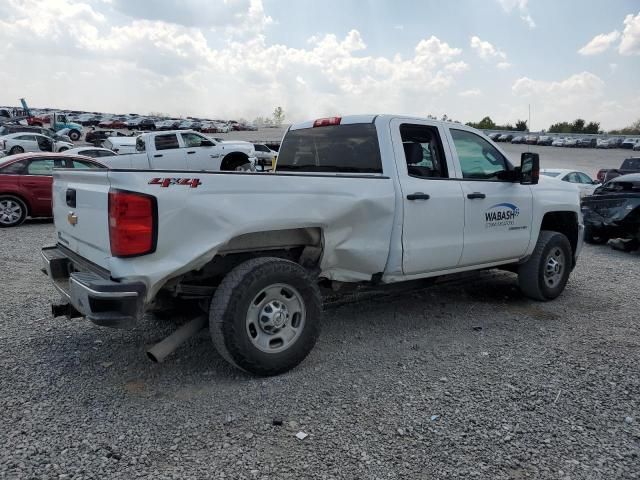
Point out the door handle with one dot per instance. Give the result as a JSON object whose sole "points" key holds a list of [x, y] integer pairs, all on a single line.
{"points": [[418, 196], [191, 152], [476, 195], [70, 197], [157, 155]]}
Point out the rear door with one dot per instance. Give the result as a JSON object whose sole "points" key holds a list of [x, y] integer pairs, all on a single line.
{"points": [[37, 182], [498, 213], [167, 155], [27, 142], [433, 223]]}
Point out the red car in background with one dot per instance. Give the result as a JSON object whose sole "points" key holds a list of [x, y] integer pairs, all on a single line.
{"points": [[112, 124], [25, 184]]}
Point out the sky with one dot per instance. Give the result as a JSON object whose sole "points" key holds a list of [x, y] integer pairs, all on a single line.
{"points": [[236, 59]]}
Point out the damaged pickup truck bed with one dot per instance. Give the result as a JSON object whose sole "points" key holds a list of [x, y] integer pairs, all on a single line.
{"points": [[613, 211], [359, 199]]}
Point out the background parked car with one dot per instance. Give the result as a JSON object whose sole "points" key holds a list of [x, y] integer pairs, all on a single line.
{"points": [[531, 139], [545, 140], [571, 142], [558, 142], [15, 143], [96, 137], [629, 143], [15, 128], [494, 136], [518, 139], [93, 152], [265, 157], [586, 185], [505, 137], [587, 142], [25, 184]]}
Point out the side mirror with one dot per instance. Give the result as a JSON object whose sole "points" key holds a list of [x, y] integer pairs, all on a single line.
{"points": [[207, 143], [529, 168]]}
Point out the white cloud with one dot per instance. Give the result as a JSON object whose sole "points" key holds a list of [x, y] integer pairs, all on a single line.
{"points": [[599, 43], [566, 99], [456, 67], [630, 43], [522, 7], [470, 93], [151, 63], [503, 65], [486, 50], [613, 67]]}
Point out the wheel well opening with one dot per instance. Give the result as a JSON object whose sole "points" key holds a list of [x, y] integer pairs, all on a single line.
{"points": [[233, 160], [565, 223]]}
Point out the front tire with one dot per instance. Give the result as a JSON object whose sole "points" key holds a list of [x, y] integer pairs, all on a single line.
{"points": [[265, 316], [544, 276], [74, 135], [13, 211]]}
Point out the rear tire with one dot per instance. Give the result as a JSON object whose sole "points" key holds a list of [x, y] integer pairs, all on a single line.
{"points": [[74, 135], [265, 316], [544, 276], [13, 211], [594, 236], [15, 150]]}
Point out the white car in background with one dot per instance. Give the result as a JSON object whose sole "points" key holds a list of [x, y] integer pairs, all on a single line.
{"points": [[585, 184], [93, 152], [31, 142], [558, 142], [265, 157]]}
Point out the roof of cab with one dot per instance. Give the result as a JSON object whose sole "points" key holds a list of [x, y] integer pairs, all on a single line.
{"points": [[370, 118]]}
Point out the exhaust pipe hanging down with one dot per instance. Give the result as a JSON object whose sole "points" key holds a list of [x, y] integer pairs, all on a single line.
{"points": [[166, 347]]}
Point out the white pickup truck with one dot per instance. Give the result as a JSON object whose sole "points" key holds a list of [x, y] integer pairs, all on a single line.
{"points": [[358, 199], [182, 150]]}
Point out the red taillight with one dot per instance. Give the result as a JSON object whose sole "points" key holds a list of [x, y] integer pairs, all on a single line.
{"points": [[132, 223], [326, 122]]}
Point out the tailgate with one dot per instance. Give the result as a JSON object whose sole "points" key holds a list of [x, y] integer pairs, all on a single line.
{"points": [[80, 209]]}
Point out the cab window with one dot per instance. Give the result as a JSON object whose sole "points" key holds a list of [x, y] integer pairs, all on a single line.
{"points": [[479, 160], [166, 142], [423, 151], [83, 164], [192, 140]]}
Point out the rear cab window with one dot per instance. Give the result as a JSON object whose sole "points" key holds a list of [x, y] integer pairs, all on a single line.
{"points": [[167, 142], [351, 148]]}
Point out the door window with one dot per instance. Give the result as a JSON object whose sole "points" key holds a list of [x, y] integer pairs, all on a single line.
{"points": [[423, 151], [583, 178], [166, 142], [192, 140], [28, 138], [43, 166], [479, 160]]}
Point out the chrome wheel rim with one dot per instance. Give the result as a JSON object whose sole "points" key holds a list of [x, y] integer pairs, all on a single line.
{"points": [[275, 318], [554, 267], [10, 212]]}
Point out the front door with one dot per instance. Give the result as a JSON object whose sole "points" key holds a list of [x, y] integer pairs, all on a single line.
{"points": [[498, 212], [168, 154], [433, 219]]}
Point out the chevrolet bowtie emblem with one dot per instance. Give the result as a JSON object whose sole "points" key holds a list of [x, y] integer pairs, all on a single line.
{"points": [[72, 218]]}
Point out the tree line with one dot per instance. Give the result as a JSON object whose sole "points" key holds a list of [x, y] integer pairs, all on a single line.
{"points": [[578, 126]]}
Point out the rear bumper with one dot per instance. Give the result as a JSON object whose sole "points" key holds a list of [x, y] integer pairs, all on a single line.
{"points": [[91, 292]]}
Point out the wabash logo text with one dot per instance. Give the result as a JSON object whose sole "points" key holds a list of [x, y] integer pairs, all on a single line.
{"points": [[501, 215], [165, 182]]}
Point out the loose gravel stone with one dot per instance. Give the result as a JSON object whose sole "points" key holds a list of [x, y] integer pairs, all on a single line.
{"points": [[388, 361]]}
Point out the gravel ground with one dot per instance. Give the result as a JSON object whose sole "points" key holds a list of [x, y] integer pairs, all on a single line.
{"points": [[466, 379]]}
